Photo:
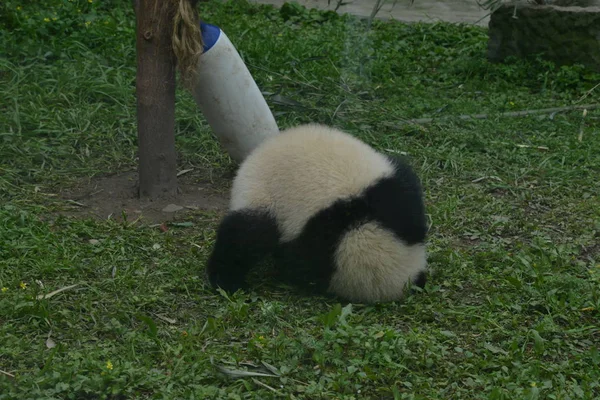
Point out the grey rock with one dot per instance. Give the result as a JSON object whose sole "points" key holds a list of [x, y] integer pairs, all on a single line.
{"points": [[564, 35], [171, 208]]}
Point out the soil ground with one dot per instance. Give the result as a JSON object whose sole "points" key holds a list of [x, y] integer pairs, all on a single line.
{"points": [[115, 197]]}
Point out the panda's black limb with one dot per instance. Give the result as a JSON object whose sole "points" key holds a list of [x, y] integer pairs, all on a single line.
{"points": [[308, 260], [244, 238], [420, 280]]}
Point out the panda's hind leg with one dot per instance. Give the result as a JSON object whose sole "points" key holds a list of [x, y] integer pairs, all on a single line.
{"points": [[244, 238]]}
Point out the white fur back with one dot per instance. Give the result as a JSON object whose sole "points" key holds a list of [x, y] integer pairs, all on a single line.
{"points": [[304, 170], [374, 266]]}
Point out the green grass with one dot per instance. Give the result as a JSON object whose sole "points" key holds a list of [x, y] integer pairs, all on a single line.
{"points": [[513, 304]]}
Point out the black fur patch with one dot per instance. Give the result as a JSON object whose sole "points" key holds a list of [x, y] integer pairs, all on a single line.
{"points": [[397, 204], [420, 280], [308, 260], [243, 239]]}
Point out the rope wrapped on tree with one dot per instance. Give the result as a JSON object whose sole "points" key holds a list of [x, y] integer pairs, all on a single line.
{"points": [[187, 39]]}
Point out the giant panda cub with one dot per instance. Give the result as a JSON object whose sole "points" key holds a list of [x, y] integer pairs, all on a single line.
{"points": [[336, 215]]}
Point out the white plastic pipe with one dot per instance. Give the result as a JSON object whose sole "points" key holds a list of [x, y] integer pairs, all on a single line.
{"points": [[229, 98]]}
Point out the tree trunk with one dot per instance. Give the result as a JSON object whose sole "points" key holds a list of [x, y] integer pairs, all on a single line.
{"points": [[155, 87]]}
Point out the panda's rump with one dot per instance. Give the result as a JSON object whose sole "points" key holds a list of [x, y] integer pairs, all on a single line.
{"points": [[304, 170], [375, 260], [372, 264]]}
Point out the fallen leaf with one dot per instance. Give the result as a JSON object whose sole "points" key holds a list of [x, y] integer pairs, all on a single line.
{"points": [[57, 291], [236, 373], [185, 171], [182, 224], [167, 319], [271, 368]]}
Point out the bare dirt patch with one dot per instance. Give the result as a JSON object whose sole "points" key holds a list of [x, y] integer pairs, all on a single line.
{"points": [[116, 197]]}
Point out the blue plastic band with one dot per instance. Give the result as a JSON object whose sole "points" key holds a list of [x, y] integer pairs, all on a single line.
{"points": [[210, 35]]}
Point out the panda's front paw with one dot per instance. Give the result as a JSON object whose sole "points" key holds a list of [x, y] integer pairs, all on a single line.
{"points": [[420, 280], [227, 283]]}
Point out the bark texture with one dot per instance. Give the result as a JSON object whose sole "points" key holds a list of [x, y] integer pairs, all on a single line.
{"points": [[155, 87]]}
